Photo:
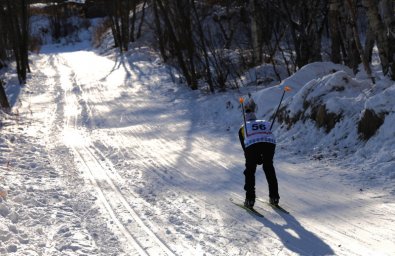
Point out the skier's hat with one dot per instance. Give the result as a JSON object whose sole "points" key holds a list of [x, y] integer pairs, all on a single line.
{"points": [[250, 106]]}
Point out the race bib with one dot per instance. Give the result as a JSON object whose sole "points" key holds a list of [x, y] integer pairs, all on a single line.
{"points": [[258, 131]]}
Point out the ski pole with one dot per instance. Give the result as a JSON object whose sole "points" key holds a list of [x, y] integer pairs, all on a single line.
{"points": [[241, 100], [286, 89]]}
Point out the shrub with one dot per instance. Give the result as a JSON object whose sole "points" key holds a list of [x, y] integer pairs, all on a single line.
{"points": [[370, 123], [100, 31]]}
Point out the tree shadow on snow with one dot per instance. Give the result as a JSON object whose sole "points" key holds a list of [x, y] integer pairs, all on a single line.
{"points": [[117, 64], [298, 239]]}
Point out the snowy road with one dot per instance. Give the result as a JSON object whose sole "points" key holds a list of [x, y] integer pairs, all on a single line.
{"points": [[160, 166]]}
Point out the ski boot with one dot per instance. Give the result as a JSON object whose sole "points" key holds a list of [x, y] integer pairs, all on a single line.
{"points": [[249, 203], [274, 201]]}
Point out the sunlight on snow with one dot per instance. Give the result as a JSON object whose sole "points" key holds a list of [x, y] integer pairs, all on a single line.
{"points": [[71, 110], [111, 73], [73, 138], [292, 233]]}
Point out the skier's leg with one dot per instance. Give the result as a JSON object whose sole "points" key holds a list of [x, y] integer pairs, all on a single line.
{"points": [[268, 168], [249, 185], [249, 173]]}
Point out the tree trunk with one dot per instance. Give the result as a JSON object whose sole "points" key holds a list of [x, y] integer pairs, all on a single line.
{"points": [[294, 34], [254, 34], [118, 11], [306, 22], [357, 40], [175, 41], [133, 21], [204, 48], [334, 30], [3, 97], [17, 29], [369, 43], [159, 32], [124, 10], [378, 27], [387, 7], [188, 39], [141, 20]]}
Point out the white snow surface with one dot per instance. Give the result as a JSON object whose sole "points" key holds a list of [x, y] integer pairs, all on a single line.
{"points": [[107, 155]]}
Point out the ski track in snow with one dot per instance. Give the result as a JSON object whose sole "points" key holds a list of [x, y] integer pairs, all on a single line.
{"points": [[137, 235], [135, 232], [143, 177]]}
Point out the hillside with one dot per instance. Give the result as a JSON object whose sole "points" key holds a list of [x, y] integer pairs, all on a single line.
{"points": [[105, 154]]}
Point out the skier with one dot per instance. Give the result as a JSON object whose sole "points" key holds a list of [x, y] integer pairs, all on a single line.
{"points": [[259, 145]]}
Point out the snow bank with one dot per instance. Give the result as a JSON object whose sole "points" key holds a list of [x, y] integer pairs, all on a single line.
{"points": [[325, 92], [320, 117]]}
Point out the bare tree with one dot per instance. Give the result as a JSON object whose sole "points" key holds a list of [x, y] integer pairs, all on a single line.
{"points": [[334, 13], [388, 9], [306, 20], [366, 64], [162, 41], [114, 12], [4, 35], [118, 11], [123, 26], [256, 53], [178, 36], [383, 34], [17, 27], [203, 47]]}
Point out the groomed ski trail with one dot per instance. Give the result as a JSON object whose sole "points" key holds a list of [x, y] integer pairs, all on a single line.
{"points": [[136, 231], [162, 178], [138, 237]]}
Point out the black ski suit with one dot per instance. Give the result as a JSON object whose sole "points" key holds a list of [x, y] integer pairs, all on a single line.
{"points": [[256, 154]]}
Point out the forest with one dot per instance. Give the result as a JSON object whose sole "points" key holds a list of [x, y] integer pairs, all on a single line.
{"points": [[213, 42]]}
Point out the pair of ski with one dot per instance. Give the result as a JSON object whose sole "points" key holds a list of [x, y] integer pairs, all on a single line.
{"points": [[255, 212]]}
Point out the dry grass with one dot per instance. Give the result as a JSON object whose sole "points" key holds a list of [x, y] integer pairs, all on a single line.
{"points": [[100, 31], [35, 43], [3, 194]]}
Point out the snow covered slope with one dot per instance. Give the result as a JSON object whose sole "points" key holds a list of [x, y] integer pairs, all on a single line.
{"points": [[108, 156]]}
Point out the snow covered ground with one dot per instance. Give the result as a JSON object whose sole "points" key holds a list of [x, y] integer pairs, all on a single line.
{"points": [[107, 155]]}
